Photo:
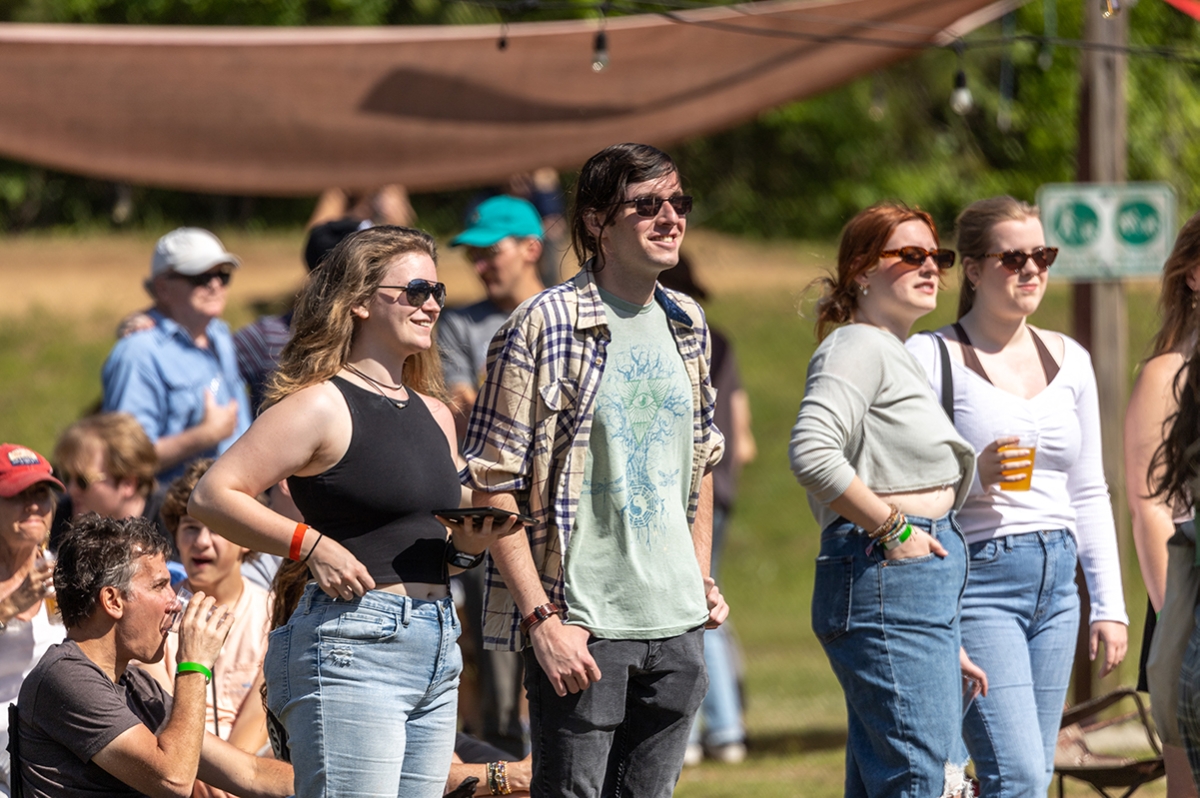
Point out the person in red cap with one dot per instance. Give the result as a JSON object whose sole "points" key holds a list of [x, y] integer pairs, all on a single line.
{"points": [[27, 502]]}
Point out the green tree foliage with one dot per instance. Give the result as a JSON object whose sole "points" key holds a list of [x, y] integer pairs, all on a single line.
{"points": [[799, 170]]}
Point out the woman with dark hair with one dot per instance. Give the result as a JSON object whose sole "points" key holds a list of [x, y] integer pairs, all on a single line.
{"points": [[1026, 401], [1164, 529], [364, 676], [884, 469]]}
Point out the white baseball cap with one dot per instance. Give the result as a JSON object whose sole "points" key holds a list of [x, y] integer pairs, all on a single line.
{"points": [[190, 251]]}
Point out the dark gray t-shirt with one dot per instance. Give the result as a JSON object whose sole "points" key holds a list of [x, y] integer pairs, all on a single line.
{"points": [[463, 337], [70, 710]]}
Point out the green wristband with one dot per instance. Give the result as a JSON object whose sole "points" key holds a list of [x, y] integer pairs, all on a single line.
{"points": [[194, 667], [898, 540]]}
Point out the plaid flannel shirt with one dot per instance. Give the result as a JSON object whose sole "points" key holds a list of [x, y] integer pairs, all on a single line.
{"points": [[530, 426]]}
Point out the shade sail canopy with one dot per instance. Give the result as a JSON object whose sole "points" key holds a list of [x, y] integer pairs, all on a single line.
{"points": [[291, 111]]}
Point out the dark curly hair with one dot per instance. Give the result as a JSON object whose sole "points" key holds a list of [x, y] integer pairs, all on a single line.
{"points": [[95, 553]]}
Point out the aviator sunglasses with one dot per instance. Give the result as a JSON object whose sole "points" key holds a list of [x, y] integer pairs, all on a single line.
{"points": [[418, 291], [1014, 259], [198, 280], [915, 256], [650, 206]]}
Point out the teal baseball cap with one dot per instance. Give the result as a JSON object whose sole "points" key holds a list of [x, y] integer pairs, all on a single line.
{"points": [[497, 218]]}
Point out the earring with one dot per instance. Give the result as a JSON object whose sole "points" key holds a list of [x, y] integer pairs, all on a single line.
{"points": [[865, 291], [1194, 298]]}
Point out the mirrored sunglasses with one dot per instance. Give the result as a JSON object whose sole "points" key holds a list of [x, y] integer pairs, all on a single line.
{"points": [[915, 256], [197, 280], [417, 292], [650, 206], [1014, 259]]}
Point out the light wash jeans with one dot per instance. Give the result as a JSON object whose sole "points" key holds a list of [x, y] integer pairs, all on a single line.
{"points": [[721, 713], [890, 629], [368, 692], [1020, 619]]}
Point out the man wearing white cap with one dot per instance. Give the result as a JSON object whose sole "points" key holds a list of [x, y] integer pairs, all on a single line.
{"points": [[180, 379]]}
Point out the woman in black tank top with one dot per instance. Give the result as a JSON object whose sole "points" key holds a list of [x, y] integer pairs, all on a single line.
{"points": [[364, 676]]}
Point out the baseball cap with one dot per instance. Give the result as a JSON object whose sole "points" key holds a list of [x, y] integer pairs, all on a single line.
{"points": [[497, 218], [190, 251], [21, 468]]}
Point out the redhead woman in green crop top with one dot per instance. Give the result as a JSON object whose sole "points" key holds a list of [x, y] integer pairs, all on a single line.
{"points": [[364, 675], [884, 469]]}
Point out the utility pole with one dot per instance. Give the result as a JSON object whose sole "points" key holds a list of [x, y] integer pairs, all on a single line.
{"points": [[1100, 320]]}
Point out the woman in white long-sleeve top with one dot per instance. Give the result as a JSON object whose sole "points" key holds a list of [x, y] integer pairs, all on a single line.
{"points": [[1031, 393], [884, 468]]}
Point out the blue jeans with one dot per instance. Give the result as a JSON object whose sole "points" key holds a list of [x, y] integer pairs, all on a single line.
{"points": [[890, 629], [626, 734], [368, 692], [1020, 619], [721, 711]]}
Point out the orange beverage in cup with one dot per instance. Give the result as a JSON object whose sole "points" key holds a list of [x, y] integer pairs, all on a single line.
{"points": [[1022, 464]]}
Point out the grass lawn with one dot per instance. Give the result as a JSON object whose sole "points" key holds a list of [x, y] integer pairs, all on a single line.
{"points": [[49, 366]]}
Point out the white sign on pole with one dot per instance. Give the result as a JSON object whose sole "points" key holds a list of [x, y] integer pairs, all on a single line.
{"points": [[1106, 231]]}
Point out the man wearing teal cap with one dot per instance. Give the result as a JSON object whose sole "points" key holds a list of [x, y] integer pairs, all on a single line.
{"points": [[504, 243]]}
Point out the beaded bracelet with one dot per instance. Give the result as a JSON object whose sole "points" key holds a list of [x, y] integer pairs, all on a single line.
{"points": [[888, 525], [497, 775], [898, 539]]}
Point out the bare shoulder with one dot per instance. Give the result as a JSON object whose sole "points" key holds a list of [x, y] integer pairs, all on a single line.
{"points": [[1159, 373], [320, 402], [1054, 341]]}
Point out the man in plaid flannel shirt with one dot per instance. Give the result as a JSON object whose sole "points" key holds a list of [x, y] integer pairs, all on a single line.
{"points": [[596, 418]]}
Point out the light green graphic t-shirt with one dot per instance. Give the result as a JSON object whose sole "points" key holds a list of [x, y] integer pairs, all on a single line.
{"points": [[631, 570]]}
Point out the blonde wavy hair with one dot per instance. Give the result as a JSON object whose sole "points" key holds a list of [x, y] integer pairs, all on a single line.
{"points": [[324, 325]]}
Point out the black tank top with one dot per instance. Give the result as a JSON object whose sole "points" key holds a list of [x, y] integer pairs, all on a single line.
{"points": [[378, 500]]}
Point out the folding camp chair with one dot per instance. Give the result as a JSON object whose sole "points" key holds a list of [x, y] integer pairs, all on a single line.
{"points": [[1074, 757]]}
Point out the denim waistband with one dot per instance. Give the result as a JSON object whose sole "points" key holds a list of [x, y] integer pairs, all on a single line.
{"points": [[1048, 536], [382, 601], [845, 527]]}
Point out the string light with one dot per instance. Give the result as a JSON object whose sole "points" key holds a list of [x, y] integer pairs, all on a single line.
{"points": [[961, 100], [503, 43], [600, 51]]}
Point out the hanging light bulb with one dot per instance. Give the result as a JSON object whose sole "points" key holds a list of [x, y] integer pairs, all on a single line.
{"points": [[961, 100], [503, 43], [600, 51], [1110, 8]]}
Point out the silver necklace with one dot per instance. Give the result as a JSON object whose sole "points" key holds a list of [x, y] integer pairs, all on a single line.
{"points": [[400, 404]]}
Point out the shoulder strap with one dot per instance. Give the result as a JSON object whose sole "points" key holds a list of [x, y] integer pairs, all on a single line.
{"points": [[17, 779], [1049, 366], [970, 359], [947, 376]]}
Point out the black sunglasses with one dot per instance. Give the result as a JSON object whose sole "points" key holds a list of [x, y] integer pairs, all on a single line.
{"points": [[1014, 259], [197, 280], [650, 206], [915, 256], [417, 292]]}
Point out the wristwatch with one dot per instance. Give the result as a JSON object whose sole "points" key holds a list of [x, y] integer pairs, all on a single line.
{"points": [[460, 559]]}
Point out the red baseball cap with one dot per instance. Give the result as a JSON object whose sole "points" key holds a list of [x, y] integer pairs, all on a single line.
{"points": [[21, 468]]}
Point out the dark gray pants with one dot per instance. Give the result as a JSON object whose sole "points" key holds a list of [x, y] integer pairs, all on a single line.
{"points": [[626, 734]]}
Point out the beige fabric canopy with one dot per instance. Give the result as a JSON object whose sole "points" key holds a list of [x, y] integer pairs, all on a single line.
{"points": [[291, 111]]}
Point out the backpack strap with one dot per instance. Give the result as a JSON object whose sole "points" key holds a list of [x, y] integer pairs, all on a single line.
{"points": [[947, 376]]}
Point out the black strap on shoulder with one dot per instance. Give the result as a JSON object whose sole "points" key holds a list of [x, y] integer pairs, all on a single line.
{"points": [[947, 377], [17, 778]]}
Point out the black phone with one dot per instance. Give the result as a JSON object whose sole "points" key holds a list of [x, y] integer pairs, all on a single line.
{"points": [[480, 513]]}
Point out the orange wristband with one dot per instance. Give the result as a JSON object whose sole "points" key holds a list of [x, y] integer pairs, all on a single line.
{"points": [[297, 541]]}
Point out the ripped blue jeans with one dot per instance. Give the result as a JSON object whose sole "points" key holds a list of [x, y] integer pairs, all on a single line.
{"points": [[368, 692], [891, 631]]}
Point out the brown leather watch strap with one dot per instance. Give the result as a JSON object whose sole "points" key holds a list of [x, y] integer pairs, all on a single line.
{"points": [[539, 614]]}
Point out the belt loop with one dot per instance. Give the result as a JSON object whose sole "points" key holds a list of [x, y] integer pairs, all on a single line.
{"points": [[406, 610], [307, 597], [1008, 542]]}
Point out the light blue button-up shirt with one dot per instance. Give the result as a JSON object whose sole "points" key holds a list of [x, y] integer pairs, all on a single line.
{"points": [[159, 376]]}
